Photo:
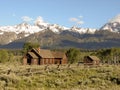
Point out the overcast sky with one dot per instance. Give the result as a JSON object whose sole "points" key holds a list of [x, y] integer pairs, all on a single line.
{"points": [[82, 13]]}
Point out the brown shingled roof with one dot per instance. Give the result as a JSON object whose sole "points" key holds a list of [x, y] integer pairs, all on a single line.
{"points": [[58, 54], [45, 53], [94, 58]]}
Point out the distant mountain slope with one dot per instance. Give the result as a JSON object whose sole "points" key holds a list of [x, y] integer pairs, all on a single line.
{"points": [[56, 36], [66, 39]]}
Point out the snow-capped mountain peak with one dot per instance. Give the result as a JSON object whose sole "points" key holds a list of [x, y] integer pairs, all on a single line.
{"points": [[24, 29], [113, 25], [115, 19], [83, 30], [40, 25]]}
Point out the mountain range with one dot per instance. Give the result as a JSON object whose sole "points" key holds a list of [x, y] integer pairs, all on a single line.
{"points": [[57, 36]]}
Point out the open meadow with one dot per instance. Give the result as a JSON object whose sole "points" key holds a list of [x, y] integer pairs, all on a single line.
{"points": [[54, 77]]}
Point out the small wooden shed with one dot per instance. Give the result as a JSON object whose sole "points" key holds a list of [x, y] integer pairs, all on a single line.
{"points": [[91, 60]]}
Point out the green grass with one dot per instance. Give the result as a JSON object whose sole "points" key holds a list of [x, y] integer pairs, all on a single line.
{"points": [[18, 77]]}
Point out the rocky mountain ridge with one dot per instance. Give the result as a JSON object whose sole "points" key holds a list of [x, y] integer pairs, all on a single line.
{"points": [[56, 36], [9, 34], [113, 25]]}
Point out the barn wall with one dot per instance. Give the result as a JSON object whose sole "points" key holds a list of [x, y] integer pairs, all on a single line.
{"points": [[53, 61], [88, 61], [34, 61], [24, 61], [48, 61], [41, 61], [64, 60], [57, 61], [96, 62]]}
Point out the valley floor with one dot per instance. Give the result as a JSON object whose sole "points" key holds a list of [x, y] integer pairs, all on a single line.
{"points": [[54, 77]]}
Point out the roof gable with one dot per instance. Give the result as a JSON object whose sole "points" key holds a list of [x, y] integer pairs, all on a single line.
{"points": [[32, 55], [43, 53], [94, 58]]}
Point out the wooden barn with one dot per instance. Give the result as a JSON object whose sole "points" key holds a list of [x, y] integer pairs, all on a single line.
{"points": [[91, 60], [42, 56]]}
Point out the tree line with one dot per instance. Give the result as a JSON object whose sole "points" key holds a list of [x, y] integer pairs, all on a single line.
{"points": [[110, 56], [75, 55]]}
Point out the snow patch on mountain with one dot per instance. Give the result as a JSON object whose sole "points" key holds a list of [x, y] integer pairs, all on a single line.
{"points": [[83, 30]]}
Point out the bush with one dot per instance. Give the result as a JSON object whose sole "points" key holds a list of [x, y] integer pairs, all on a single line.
{"points": [[3, 56]]}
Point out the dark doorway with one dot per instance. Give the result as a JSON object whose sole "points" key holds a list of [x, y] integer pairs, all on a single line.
{"points": [[60, 62], [29, 61], [38, 61]]}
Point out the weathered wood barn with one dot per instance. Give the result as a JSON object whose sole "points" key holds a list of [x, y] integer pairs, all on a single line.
{"points": [[91, 60], [42, 56]]}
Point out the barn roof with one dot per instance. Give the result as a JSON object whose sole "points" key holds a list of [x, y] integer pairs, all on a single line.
{"points": [[44, 53], [58, 54], [95, 58], [32, 55]]}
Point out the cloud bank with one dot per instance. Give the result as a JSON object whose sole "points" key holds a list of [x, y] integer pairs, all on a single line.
{"points": [[26, 18]]}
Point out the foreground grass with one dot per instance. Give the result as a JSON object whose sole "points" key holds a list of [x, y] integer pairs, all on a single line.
{"points": [[18, 77]]}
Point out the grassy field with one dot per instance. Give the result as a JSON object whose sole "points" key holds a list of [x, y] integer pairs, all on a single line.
{"points": [[19, 77]]}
